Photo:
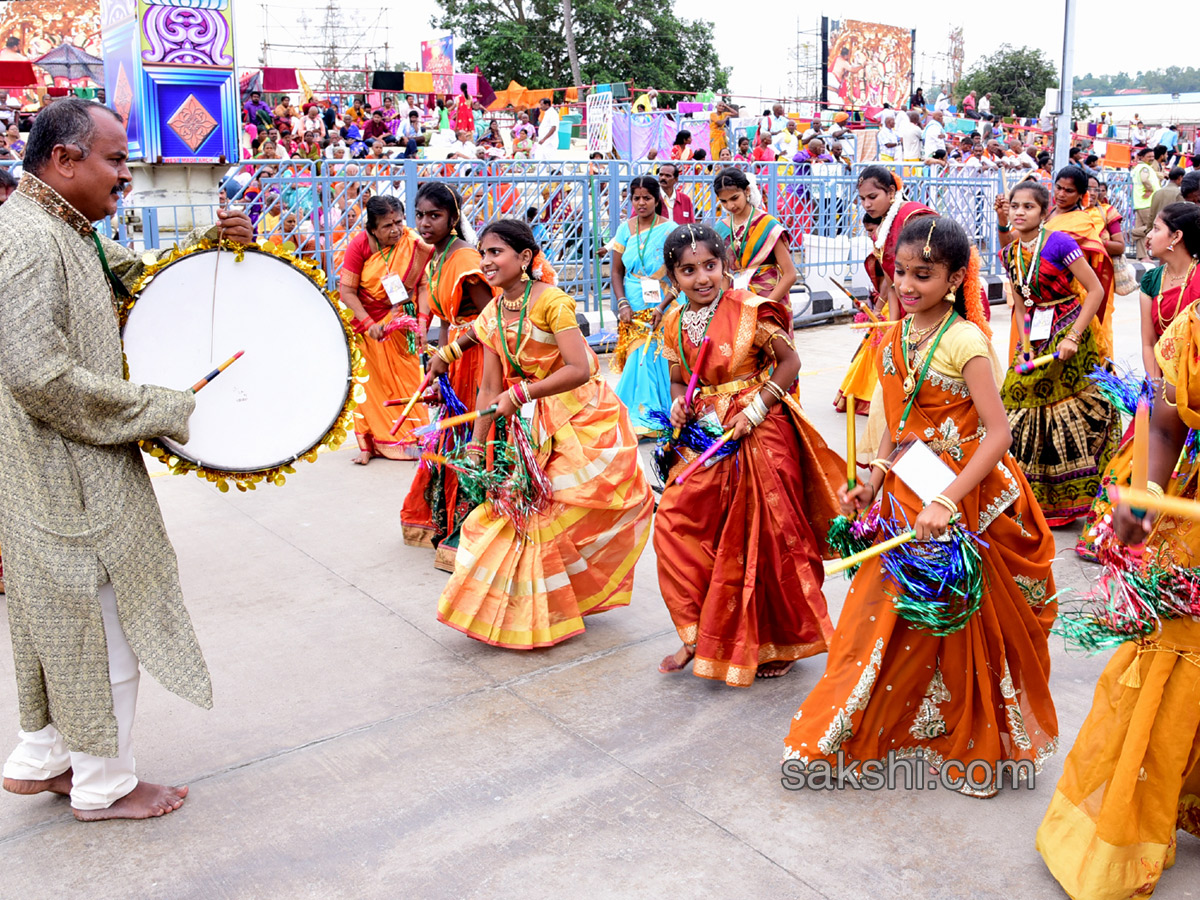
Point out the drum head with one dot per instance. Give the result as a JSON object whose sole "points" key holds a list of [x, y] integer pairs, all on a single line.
{"points": [[281, 398]]}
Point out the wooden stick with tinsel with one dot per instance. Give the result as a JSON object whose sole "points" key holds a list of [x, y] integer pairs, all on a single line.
{"points": [[705, 456], [412, 401], [698, 435], [1024, 368], [694, 382], [455, 420]]}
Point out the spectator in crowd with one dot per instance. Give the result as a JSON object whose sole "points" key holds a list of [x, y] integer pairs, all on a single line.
{"points": [[985, 106], [968, 106], [743, 150], [814, 130], [908, 128], [313, 127], [917, 101], [763, 152], [376, 128], [1145, 183], [1170, 192], [935, 134], [676, 203], [778, 121], [681, 148], [786, 143], [836, 149], [357, 113], [15, 144], [942, 103], [547, 139], [463, 147], [887, 141], [256, 111], [8, 184]]}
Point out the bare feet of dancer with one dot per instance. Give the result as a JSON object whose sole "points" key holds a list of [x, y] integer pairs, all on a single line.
{"points": [[678, 660], [776, 669], [363, 458], [146, 801], [59, 784]]}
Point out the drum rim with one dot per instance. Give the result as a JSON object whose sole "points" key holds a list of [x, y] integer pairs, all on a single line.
{"points": [[354, 369]]}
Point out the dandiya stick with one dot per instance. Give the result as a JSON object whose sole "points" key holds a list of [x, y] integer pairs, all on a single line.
{"points": [[217, 371], [1172, 506], [703, 457], [455, 420], [1025, 368], [442, 461], [1141, 452], [694, 381], [875, 324], [851, 454], [865, 307], [833, 566], [412, 401]]}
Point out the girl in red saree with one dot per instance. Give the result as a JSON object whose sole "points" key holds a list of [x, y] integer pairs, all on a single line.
{"points": [[1064, 429], [758, 243], [381, 278], [457, 293], [879, 190], [739, 560], [530, 586], [1166, 292], [980, 692]]}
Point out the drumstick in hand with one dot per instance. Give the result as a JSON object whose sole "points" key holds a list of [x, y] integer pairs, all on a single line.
{"points": [[217, 371]]}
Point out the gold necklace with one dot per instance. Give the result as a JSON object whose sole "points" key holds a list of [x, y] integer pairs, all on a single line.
{"points": [[513, 305]]}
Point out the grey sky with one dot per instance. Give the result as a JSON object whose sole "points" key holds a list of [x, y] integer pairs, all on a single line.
{"points": [[758, 49]]}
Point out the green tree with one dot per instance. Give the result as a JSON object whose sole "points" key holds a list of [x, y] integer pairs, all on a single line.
{"points": [[615, 40], [1016, 77], [1170, 80]]}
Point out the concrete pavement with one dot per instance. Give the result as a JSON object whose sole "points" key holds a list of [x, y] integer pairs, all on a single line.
{"points": [[359, 748]]}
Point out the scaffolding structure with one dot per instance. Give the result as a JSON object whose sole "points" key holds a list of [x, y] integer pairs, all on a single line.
{"points": [[806, 80]]}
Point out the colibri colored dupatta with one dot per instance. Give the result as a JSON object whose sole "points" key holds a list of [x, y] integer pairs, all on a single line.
{"points": [[888, 259], [756, 247], [1088, 227]]}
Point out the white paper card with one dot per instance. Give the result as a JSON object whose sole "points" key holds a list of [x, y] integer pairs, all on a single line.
{"points": [[710, 420], [920, 469], [1043, 322], [651, 291], [528, 409], [396, 291], [741, 281]]}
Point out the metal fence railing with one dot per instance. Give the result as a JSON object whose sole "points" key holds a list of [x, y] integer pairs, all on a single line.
{"points": [[573, 207]]}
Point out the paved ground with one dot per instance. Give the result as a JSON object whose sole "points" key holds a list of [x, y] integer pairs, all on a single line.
{"points": [[360, 749]]}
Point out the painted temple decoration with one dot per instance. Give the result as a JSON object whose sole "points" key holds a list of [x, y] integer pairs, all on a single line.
{"points": [[169, 73]]}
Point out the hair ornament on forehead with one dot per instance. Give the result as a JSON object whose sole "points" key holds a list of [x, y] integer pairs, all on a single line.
{"points": [[927, 250], [692, 235]]}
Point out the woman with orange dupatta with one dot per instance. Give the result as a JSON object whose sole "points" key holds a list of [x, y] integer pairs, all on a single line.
{"points": [[881, 193], [1132, 780], [526, 584], [762, 260], [739, 564], [458, 292], [980, 692], [380, 279], [1166, 292]]}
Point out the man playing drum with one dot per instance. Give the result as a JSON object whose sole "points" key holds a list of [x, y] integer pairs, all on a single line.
{"points": [[93, 586]]}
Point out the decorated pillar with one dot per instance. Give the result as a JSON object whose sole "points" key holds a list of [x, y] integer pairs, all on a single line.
{"points": [[169, 73]]}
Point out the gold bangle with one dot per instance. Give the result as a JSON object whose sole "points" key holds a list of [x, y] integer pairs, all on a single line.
{"points": [[943, 500], [1153, 487], [881, 464]]}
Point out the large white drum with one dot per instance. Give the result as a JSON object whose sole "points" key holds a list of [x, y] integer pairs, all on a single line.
{"points": [[283, 396]]}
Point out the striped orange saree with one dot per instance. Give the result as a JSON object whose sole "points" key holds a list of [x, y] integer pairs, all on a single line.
{"points": [[1089, 227], [393, 368], [576, 558]]}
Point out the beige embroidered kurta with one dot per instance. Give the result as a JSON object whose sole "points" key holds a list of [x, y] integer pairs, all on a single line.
{"points": [[76, 505]]}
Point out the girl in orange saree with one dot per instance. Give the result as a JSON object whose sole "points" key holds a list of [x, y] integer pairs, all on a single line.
{"points": [[739, 564], [1165, 293], [1132, 780], [530, 585], [458, 292], [380, 279], [980, 692], [758, 243]]}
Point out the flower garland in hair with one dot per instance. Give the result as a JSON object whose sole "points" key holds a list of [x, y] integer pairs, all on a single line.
{"points": [[543, 271], [881, 235], [972, 289]]}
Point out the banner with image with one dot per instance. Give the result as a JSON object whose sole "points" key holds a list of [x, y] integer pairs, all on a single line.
{"points": [[867, 64]]}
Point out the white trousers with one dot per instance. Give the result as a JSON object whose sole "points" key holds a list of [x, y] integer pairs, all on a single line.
{"points": [[97, 782]]}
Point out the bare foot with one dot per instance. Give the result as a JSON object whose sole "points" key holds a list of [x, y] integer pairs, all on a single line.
{"points": [[59, 784], [363, 458], [775, 669], [677, 661], [146, 801]]}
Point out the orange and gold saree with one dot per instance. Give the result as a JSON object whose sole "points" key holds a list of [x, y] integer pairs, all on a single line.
{"points": [[739, 557], [982, 692], [431, 511], [393, 369], [1089, 228], [1132, 779], [577, 557]]}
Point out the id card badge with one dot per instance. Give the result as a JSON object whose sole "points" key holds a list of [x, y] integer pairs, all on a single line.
{"points": [[710, 422], [921, 469], [1043, 322], [741, 281], [528, 409], [651, 291], [396, 291]]}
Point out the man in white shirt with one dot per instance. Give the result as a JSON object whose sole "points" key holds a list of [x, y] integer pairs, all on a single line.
{"points": [[1137, 131], [889, 143], [942, 104], [935, 135], [463, 147], [985, 105], [778, 120], [1019, 157], [908, 128], [786, 143], [547, 137]]}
